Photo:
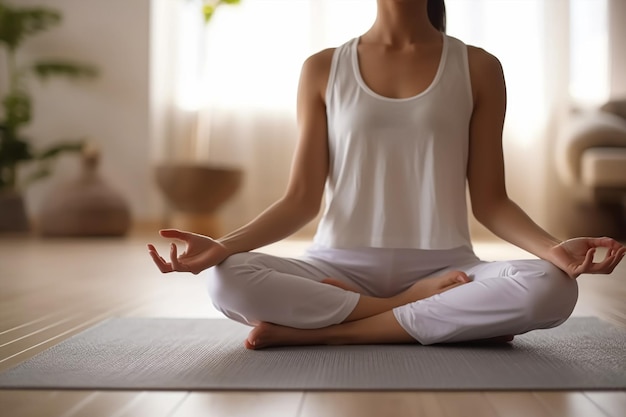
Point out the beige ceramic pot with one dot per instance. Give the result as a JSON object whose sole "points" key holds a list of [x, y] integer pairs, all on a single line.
{"points": [[86, 206], [13, 217]]}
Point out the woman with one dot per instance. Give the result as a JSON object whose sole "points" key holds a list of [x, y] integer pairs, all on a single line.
{"points": [[394, 124]]}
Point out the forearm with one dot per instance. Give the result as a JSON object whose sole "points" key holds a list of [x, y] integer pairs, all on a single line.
{"points": [[280, 220], [509, 222]]}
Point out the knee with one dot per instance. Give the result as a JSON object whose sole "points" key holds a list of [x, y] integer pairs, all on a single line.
{"points": [[227, 284], [552, 295]]}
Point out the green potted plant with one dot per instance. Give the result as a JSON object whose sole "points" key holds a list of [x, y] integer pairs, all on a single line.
{"points": [[16, 25]]}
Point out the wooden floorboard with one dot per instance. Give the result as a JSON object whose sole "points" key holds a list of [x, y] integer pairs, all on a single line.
{"points": [[516, 404], [571, 404], [52, 289], [613, 403], [43, 403], [372, 404], [240, 404], [153, 404]]}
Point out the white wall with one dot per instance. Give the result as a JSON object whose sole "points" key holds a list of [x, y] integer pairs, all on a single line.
{"points": [[113, 110]]}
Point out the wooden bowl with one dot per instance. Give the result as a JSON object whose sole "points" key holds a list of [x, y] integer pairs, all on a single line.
{"points": [[197, 188]]}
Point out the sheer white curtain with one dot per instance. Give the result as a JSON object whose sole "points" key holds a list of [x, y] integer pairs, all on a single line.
{"points": [[233, 98], [237, 80], [554, 57]]}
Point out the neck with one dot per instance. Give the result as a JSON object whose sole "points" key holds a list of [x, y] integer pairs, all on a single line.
{"points": [[402, 22]]}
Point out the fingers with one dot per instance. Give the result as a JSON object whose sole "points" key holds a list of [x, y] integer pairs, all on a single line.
{"points": [[615, 261], [173, 265], [175, 234], [176, 264], [606, 242], [163, 266], [585, 267], [610, 261], [613, 257]]}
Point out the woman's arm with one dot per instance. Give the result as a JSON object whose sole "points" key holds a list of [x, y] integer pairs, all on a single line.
{"points": [[302, 199], [299, 204], [490, 203]]}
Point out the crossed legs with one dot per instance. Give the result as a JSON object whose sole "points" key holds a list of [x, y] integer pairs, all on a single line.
{"points": [[252, 288], [497, 300]]}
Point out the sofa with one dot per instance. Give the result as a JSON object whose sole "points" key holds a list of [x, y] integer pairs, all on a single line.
{"points": [[591, 162]]}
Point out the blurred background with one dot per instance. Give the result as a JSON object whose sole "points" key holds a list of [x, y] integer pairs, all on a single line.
{"points": [[174, 90]]}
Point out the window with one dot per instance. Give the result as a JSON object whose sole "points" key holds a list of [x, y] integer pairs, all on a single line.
{"points": [[589, 61]]}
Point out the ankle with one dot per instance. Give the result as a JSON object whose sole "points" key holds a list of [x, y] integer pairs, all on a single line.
{"points": [[399, 300]]}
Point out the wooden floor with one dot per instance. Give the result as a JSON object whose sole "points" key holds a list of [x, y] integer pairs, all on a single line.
{"points": [[52, 289]]}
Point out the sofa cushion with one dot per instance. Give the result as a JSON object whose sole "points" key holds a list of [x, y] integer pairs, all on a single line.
{"points": [[589, 131], [617, 107], [604, 167]]}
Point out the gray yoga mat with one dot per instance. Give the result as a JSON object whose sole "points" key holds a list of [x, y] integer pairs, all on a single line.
{"points": [[197, 354]]}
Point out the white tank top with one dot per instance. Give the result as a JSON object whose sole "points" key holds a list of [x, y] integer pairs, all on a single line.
{"points": [[397, 170]]}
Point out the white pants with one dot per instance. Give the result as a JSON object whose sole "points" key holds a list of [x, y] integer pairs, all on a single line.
{"points": [[504, 298]]}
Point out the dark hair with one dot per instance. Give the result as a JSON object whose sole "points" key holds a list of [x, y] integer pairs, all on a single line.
{"points": [[437, 14]]}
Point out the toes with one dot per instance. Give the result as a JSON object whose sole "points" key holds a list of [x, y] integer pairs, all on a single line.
{"points": [[461, 276], [252, 341], [258, 337], [452, 280], [456, 278]]}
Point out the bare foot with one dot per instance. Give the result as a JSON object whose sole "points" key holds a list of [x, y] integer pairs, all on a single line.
{"points": [[427, 287], [423, 288], [268, 334]]}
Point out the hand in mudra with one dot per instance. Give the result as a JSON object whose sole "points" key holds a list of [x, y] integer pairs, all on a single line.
{"points": [[575, 256], [201, 252]]}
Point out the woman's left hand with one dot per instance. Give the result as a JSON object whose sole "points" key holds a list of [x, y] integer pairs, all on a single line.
{"points": [[575, 256]]}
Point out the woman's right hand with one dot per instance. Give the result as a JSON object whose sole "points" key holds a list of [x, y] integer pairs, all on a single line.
{"points": [[201, 252]]}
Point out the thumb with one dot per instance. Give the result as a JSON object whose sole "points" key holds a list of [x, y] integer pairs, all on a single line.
{"points": [[586, 265]]}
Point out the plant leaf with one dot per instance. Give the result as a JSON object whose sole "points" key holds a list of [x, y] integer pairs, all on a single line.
{"points": [[207, 11], [17, 109], [13, 151], [41, 172], [59, 148], [59, 68], [18, 23], [230, 1]]}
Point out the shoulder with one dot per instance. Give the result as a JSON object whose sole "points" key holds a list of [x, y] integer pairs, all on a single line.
{"points": [[482, 63], [320, 61], [316, 70], [486, 74]]}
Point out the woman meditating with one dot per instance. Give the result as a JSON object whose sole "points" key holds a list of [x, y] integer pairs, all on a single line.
{"points": [[392, 127]]}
